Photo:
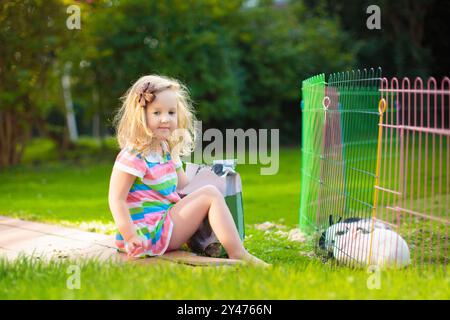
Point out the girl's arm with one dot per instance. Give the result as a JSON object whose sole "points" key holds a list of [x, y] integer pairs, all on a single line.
{"points": [[119, 186], [182, 177]]}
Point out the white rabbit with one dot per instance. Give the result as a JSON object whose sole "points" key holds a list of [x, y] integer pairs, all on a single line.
{"points": [[328, 238], [350, 241]]}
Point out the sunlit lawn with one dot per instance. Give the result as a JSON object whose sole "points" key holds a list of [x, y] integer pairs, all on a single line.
{"points": [[76, 195]]}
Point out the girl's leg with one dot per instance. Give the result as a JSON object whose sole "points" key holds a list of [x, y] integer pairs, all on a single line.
{"points": [[188, 213]]}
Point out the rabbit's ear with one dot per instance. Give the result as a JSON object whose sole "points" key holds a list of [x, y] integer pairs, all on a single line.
{"points": [[340, 218], [322, 241], [330, 219]]}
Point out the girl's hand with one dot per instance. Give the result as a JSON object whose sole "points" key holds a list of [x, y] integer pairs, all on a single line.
{"points": [[135, 246]]}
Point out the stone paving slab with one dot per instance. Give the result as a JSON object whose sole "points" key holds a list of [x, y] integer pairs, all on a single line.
{"points": [[10, 255], [48, 241], [190, 258], [37, 226]]}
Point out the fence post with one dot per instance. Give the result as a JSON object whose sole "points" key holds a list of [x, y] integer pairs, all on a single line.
{"points": [[382, 105]]}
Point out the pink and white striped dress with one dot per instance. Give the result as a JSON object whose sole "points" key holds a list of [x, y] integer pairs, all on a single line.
{"points": [[150, 197]]}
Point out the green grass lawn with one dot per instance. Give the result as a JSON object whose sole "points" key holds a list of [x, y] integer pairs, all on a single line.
{"points": [[74, 193], [77, 193]]}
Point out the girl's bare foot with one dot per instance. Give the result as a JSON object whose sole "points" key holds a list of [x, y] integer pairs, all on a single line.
{"points": [[252, 260]]}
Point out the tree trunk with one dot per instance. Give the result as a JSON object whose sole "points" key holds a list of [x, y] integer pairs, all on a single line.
{"points": [[14, 134], [96, 117], [70, 115]]}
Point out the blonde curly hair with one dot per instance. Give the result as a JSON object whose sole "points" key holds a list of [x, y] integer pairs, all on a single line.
{"points": [[131, 122]]}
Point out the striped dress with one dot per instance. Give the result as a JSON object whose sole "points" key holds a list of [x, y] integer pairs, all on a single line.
{"points": [[150, 197]]}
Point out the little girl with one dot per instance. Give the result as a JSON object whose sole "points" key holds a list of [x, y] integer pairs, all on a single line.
{"points": [[154, 128]]}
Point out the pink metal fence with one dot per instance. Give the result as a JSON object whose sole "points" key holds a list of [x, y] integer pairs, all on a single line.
{"points": [[375, 168], [413, 189]]}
